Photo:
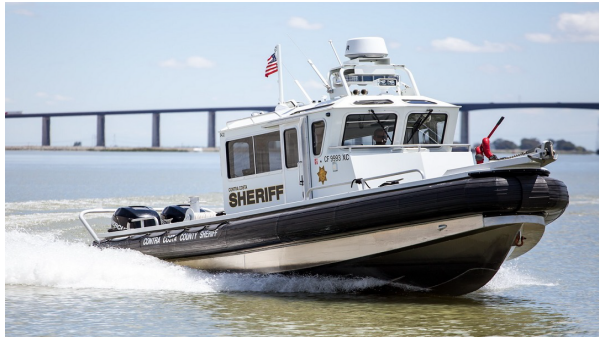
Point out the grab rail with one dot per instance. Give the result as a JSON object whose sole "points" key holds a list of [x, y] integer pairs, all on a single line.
{"points": [[399, 146], [87, 226], [364, 179]]}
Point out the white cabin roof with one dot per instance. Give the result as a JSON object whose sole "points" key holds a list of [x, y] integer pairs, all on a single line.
{"points": [[349, 101]]}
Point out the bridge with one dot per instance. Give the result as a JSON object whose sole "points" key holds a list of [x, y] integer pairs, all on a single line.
{"points": [[155, 126], [466, 108]]}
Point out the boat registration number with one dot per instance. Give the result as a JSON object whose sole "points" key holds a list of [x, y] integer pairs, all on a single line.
{"points": [[337, 158]]}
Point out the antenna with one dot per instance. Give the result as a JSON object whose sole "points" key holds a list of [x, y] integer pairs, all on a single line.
{"points": [[303, 91], [279, 73], [313, 66], [299, 86], [319, 74], [336, 54]]}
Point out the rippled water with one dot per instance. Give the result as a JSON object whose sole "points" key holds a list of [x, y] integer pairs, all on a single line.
{"points": [[57, 285]]}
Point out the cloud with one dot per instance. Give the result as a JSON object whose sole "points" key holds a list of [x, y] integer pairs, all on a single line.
{"points": [[540, 38], [302, 23], [458, 45], [580, 26], [170, 63], [193, 62], [25, 12], [199, 62], [42, 95], [7, 100], [571, 27]]}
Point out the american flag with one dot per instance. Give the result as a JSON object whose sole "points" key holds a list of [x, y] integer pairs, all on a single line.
{"points": [[271, 65]]}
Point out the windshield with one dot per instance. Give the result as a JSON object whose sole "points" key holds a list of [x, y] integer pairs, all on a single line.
{"points": [[431, 131], [369, 129]]}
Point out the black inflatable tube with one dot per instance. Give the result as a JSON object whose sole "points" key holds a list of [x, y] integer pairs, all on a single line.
{"points": [[497, 193]]}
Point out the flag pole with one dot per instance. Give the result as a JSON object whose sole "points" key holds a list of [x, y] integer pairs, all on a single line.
{"points": [[279, 73]]}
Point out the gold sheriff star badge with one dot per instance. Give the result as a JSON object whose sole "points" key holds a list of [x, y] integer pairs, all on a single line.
{"points": [[322, 174]]}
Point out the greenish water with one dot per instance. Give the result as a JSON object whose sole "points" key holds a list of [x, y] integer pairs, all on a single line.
{"points": [[57, 285]]}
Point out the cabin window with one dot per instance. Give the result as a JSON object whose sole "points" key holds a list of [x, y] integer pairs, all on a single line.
{"points": [[369, 129], [317, 131], [267, 152], [423, 129], [241, 157], [291, 148], [254, 155]]}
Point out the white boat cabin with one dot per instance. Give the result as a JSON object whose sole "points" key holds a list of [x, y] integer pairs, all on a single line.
{"points": [[373, 130]]}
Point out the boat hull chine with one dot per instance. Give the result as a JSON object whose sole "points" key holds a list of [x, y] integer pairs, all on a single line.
{"points": [[454, 257], [451, 266]]}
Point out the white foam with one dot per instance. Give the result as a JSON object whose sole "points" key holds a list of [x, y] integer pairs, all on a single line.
{"points": [[37, 219], [584, 200], [211, 200], [511, 275], [43, 260]]}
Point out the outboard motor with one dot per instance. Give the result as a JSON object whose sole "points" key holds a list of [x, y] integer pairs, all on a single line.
{"points": [[134, 217], [178, 213]]}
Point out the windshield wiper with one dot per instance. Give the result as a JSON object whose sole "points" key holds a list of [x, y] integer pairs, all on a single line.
{"points": [[382, 126], [419, 123]]}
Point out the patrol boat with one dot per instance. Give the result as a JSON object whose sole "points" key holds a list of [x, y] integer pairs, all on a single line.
{"points": [[365, 183]]}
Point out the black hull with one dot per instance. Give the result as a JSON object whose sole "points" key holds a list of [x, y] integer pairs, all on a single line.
{"points": [[436, 265], [454, 266]]}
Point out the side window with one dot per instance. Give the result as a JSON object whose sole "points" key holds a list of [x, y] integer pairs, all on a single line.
{"points": [[369, 129], [267, 152], [423, 129], [291, 148], [241, 157], [317, 131], [254, 155]]}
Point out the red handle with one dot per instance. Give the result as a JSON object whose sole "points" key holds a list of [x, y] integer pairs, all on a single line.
{"points": [[495, 127]]}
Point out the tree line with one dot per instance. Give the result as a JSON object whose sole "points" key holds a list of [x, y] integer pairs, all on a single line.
{"points": [[532, 143]]}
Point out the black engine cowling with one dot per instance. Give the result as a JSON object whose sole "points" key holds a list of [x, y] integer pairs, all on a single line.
{"points": [[178, 213], [134, 217]]}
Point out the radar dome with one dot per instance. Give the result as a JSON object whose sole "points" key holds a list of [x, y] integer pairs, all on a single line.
{"points": [[373, 47]]}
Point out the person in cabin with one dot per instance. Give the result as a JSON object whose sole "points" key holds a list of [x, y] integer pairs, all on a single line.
{"points": [[380, 137]]}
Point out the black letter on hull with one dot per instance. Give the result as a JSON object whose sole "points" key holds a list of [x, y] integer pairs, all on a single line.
{"points": [[232, 200], [260, 195], [280, 191]]}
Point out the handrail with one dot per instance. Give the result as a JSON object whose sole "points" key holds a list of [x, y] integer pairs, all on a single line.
{"points": [[365, 179], [410, 75], [398, 146], [87, 226]]}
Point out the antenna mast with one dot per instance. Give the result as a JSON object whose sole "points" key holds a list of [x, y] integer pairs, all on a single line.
{"points": [[336, 54], [319, 74], [279, 73]]}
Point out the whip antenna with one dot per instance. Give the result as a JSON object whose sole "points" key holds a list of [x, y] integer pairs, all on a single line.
{"points": [[299, 86], [312, 65], [336, 54]]}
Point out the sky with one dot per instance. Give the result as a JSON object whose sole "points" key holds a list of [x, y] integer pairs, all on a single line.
{"points": [[72, 57]]}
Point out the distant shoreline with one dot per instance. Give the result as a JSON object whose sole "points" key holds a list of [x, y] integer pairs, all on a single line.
{"points": [[517, 151], [107, 148], [190, 149]]}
